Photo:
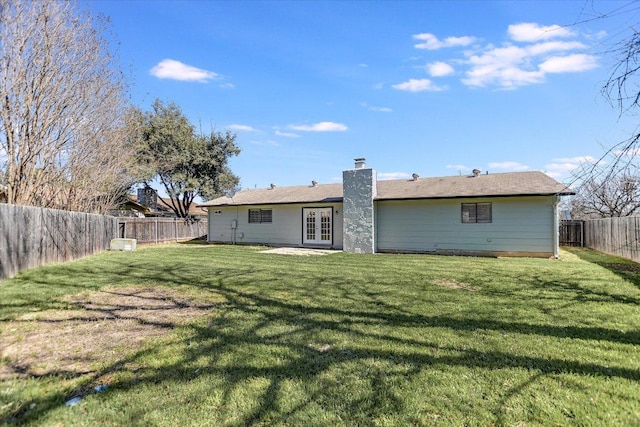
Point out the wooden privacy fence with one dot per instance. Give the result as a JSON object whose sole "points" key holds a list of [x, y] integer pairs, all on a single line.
{"points": [[31, 236], [158, 230], [616, 236], [571, 233]]}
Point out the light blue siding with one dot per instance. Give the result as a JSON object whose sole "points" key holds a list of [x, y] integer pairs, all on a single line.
{"points": [[284, 230], [519, 224]]}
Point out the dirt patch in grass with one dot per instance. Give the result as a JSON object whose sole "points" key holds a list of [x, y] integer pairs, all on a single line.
{"points": [[97, 328], [454, 284]]}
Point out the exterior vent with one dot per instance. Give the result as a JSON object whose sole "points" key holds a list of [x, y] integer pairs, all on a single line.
{"points": [[273, 186], [476, 172], [415, 176], [360, 162], [314, 183]]}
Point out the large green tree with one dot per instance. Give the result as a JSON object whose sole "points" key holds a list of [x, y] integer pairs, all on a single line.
{"points": [[187, 163]]}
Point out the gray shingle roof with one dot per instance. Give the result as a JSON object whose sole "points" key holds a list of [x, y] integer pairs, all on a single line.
{"points": [[488, 185]]}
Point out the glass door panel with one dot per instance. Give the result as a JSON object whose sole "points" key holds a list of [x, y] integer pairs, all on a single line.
{"points": [[317, 226]]}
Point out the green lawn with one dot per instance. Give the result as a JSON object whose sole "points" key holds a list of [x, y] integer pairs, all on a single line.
{"points": [[340, 339]]}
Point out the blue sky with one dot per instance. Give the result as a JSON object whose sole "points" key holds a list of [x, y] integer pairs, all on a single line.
{"points": [[435, 88]]}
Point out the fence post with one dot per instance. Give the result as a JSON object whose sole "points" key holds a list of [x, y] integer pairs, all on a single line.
{"points": [[155, 221], [175, 226]]}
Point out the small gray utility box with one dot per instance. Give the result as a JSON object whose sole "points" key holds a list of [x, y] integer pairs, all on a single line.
{"points": [[123, 244]]}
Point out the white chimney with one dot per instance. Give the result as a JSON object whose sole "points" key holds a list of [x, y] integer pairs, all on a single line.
{"points": [[360, 162]]}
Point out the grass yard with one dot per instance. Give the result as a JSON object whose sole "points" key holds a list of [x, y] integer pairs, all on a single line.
{"points": [[230, 336]]}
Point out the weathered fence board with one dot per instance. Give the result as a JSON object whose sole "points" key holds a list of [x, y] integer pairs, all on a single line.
{"points": [[31, 236], [571, 233], [616, 236], [158, 230]]}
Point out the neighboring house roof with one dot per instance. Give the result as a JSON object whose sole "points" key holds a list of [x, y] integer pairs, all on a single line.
{"points": [[487, 185], [161, 209], [194, 209]]}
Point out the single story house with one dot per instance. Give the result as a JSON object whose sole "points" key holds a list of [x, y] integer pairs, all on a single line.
{"points": [[502, 214]]}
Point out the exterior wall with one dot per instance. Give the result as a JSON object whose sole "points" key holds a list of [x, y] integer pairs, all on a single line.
{"points": [[520, 226], [359, 190], [284, 230]]}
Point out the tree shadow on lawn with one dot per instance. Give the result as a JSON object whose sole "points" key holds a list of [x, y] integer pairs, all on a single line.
{"points": [[302, 357], [622, 267]]}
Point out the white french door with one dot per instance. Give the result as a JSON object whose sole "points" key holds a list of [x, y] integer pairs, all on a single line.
{"points": [[317, 227]]}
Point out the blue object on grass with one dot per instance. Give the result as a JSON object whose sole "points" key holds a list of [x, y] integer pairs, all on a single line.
{"points": [[100, 388], [73, 402]]}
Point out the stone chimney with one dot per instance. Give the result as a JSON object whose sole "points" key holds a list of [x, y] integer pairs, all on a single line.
{"points": [[359, 190]]}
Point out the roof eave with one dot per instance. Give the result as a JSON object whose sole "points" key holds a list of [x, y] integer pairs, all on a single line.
{"points": [[477, 196], [340, 199], [297, 202]]}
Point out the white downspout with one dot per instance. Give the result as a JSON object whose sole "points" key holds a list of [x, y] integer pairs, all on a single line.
{"points": [[556, 228]]}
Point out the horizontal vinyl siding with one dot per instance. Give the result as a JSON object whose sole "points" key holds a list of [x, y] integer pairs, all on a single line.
{"points": [[220, 225], [518, 225], [284, 230]]}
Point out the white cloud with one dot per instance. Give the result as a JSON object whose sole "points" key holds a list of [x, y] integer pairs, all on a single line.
{"points": [[439, 69], [549, 47], [570, 63], [418, 85], [528, 56], [392, 175], [320, 127], [563, 166], [554, 175], [243, 128], [510, 166], [377, 109], [227, 86], [597, 36], [287, 134], [431, 42], [363, 65], [176, 70], [577, 159], [514, 66], [532, 32], [634, 152]]}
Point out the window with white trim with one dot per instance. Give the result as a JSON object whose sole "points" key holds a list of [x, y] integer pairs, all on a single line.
{"points": [[476, 213], [260, 216]]}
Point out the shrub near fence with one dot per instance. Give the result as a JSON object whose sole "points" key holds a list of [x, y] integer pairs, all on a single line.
{"points": [[615, 236], [31, 236], [157, 230]]}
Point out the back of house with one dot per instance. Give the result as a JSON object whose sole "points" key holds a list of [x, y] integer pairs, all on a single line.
{"points": [[504, 214]]}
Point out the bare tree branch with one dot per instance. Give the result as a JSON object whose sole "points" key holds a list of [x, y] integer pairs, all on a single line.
{"points": [[62, 117]]}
